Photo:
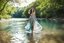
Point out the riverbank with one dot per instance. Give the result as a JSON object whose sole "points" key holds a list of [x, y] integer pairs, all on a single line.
{"points": [[5, 36]]}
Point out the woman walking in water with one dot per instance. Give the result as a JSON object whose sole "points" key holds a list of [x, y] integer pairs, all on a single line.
{"points": [[32, 18], [32, 25]]}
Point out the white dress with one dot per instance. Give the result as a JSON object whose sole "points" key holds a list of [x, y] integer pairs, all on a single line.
{"points": [[37, 26]]}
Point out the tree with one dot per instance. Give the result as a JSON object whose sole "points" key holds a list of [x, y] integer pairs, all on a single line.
{"points": [[47, 8], [7, 9], [4, 2]]}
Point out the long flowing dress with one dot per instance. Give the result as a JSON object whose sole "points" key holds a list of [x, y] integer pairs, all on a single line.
{"points": [[33, 21]]}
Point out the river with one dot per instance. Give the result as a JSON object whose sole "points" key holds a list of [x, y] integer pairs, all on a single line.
{"points": [[50, 28]]}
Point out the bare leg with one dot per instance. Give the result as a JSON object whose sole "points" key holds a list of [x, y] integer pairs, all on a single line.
{"points": [[32, 28], [31, 39]]}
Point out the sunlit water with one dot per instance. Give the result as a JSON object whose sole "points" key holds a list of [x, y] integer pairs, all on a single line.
{"points": [[19, 34], [17, 28]]}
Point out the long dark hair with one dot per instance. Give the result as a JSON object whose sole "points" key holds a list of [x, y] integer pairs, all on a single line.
{"points": [[31, 10]]}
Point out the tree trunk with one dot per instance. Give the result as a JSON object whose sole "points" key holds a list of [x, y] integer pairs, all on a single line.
{"points": [[3, 6], [0, 18]]}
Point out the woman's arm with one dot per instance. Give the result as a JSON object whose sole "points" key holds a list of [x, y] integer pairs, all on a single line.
{"points": [[34, 15]]}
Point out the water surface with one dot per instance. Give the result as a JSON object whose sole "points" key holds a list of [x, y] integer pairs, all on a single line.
{"points": [[51, 28]]}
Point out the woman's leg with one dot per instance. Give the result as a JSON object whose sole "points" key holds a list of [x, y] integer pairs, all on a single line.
{"points": [[32, 28]]}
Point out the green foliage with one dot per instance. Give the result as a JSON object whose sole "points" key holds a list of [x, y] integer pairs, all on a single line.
{"points": [[7, 11], [47, 8], [3, 3], [25, 13]]}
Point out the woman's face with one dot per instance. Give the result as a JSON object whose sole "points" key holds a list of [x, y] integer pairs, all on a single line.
{"points": [[32, 10]]}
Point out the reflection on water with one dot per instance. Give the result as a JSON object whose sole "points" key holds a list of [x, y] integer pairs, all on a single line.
{"points": [[52, 32], [19, 33], [34, 37], [52, 24], [30, 38]]}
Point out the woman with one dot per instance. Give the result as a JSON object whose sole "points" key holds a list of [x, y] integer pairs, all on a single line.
{"points": [[33, 22], [32, 18]]}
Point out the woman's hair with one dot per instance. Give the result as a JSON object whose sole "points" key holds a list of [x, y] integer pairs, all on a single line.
{"points": [[32, 10]]}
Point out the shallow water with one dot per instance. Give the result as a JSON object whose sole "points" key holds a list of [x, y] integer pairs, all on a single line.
{"points": [[19, 34]]}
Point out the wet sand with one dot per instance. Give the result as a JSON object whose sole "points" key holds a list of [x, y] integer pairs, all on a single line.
{"points": [[50, 36], [5, 36], [56, 36]]}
